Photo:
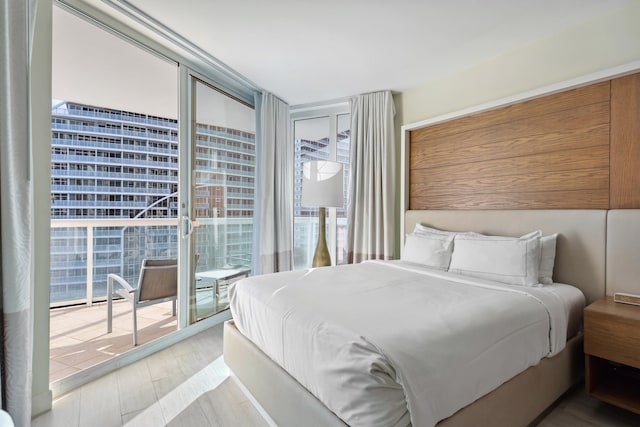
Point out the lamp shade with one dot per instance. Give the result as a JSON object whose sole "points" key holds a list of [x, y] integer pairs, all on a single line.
{"points": [[322, 184]]}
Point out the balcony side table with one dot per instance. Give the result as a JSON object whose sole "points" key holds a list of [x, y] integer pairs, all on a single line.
{"points": [[222, 278]]}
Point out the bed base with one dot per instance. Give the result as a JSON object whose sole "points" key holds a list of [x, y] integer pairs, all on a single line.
{"points": [[286, 401], [518, 402]]}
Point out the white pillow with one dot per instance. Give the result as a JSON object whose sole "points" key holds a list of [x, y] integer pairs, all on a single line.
{"points": [[422, 229], [547, 255], [430, 249], [547, 258], [511, 260]]}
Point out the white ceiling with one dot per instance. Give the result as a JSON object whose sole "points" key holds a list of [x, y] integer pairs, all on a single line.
{"points": [[312, 51]]}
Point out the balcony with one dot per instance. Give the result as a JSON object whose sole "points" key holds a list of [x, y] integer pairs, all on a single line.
{"points": [[112, 131], [79, 339], [83, 252]]}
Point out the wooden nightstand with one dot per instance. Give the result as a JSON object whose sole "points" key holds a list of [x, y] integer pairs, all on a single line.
{"points": [[612, 353]]}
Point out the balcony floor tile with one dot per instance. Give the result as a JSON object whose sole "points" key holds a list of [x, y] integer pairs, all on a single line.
{"points": [[79, 336]]}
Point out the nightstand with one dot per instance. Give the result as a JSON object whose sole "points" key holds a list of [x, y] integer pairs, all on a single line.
{"points": [[612, 353]]}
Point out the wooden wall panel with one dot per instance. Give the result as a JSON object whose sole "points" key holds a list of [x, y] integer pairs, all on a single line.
{"points": [[562, 101], [539, 135], [540, 200], [625, 142], [547, 153]]}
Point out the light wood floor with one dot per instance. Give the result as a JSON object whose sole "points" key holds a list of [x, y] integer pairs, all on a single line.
{"points": [[188, 384]]}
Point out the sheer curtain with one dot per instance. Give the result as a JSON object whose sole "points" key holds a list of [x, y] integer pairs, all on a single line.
{"points": [[15, 212], [371, 210], [274, 207]]}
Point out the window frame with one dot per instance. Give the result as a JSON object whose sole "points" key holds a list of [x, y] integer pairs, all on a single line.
{"points": [[332, 110]]}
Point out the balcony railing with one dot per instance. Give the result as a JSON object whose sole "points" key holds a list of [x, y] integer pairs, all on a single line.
{"points": [[112, 131], [115, 115], [106, 189], [85, 251], [86, 239], [112, 176], [117, 144], [204, 130]]}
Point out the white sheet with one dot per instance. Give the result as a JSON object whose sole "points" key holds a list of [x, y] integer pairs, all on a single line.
{"points": [[373, 339]]}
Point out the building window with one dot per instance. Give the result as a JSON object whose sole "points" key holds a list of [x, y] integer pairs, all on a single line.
{"points": [[320, 138]]}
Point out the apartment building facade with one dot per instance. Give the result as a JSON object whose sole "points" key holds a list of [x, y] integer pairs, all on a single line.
{"points": [[109, 167]]}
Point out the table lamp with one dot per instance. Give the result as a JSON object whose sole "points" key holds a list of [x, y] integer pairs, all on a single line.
{"points": [[322, 187]]}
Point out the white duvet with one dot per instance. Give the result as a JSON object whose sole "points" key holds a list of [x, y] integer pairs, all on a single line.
{"points": [[391, 343]]}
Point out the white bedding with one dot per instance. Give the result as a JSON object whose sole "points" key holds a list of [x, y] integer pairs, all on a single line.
{"points": [[388, 343]]}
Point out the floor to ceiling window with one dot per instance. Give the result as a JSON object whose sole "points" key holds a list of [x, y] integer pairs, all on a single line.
{"points": [[131, 181], [114, 182], [320, 137]]}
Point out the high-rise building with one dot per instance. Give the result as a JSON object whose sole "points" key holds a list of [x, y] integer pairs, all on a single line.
{"points": [[109, 165]]}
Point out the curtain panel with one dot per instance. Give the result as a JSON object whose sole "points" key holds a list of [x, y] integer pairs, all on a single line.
{"points": [[16, 206], [371, 210], [274, 207]]}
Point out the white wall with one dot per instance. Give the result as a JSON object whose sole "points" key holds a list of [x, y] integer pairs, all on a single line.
{"points": [[610, 40]]}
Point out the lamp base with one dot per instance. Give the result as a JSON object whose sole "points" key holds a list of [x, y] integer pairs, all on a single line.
{"points": [[321, 257]]}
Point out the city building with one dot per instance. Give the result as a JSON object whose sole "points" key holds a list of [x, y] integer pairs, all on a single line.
{"points": [[109, 167]]}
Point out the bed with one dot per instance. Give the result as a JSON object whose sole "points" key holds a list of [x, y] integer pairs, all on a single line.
{"points": [[515, 399], [562, 160]]}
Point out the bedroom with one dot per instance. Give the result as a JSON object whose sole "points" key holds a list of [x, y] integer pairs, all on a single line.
{"points": [[597, 46]]}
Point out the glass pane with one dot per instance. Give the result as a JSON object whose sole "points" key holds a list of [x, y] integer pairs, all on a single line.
{"points": [[343, 146], [110, 165], [224, 185], [114, 156], [312, 141], [95, 67], [68, 264], [114, 177]]}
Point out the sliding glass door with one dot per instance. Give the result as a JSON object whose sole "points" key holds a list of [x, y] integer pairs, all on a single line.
{"points": [[223, 163], [147, 162]]}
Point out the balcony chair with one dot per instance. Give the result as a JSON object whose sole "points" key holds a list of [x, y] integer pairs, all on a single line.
{"points": [[158, 282]]}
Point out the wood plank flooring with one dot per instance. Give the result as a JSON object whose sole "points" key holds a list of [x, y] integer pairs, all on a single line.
{"points": [[188, 385]]}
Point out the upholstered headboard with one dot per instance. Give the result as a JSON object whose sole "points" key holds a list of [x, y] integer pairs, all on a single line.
{"points": [[580, 252], [623, 251]]}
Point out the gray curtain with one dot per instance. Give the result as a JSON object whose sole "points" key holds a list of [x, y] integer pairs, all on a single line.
{"points": [[371, 210], [15, 212], [274, 207]]}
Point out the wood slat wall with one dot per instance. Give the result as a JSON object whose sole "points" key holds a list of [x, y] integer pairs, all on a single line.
{"points": [[548, 153], [625, 142]]}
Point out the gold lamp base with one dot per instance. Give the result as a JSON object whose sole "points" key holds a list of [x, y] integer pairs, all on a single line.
{"points": [[321, 257]]}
